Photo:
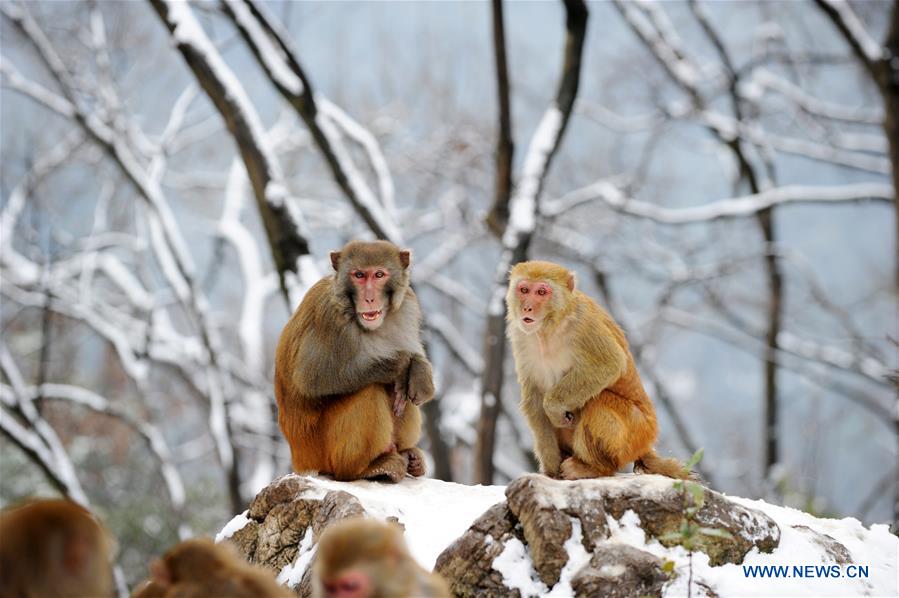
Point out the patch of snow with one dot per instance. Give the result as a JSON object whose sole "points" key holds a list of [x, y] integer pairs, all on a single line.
{"points": [[272, 56], [577, 558], [233, 526], [433, 512], [517, 569], [292, 574]]}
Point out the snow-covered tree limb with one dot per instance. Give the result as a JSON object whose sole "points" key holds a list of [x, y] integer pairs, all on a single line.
{"points": [[35, 436], [736, 207], [150, 434], [325, 121], [284, 225]]}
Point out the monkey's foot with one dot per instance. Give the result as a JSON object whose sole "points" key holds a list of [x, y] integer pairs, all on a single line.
{"points": [[390, 465], [416, 466], [573, 468]]}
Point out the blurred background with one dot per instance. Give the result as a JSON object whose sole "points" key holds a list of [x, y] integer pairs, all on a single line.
{"points": [[719, 175]]}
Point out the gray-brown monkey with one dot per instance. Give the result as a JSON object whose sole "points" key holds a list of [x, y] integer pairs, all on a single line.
{"points": [[350, 369]]}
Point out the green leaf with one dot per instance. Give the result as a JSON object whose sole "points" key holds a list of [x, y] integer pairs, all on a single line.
{"points": [[696, 458], [697, 492], [717, 533], [672, 537], [668, 567]]}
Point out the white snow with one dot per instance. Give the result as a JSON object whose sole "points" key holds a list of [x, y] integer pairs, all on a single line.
{"points": [[872, 50], [517, 569], [523, 206], [746, 205], [433, 512], [292, 574], [272, 57], [233, 526], [577, 558], [436, 513]]}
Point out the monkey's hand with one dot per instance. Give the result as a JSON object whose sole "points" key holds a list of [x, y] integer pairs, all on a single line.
{"points": [[399, 402], [420, 388], [415, 384], [558, 415]]}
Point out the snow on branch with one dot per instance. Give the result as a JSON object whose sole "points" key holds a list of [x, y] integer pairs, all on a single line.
{"points": [[364, 138], [283, 223], [38, 93], [456, 343], [738, 207], [326, 123], [98, 404], [37, 438], [868, 50], [812, 105], [651, 26]]}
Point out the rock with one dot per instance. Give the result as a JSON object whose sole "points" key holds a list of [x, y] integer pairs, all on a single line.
{"points": [[467, 563], [545, 527], [619, 571], [584, 538], [836, 552], [539, 512], [282, 515]]}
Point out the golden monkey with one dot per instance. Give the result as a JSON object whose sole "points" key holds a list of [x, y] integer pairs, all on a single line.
{"points": [[200, 568], [362, 558], [580, 390], [54, 548], [350, 369]]}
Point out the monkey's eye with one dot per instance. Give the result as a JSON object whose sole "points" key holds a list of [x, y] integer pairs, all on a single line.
{"points": [[349, 585], [379, 274], [523, 290], [359, 274], [541, 291]]}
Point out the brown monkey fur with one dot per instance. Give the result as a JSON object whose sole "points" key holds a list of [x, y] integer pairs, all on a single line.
{"points": [[363, 558], [350, 369], [200, 568], [580, 390], [51, 547]]}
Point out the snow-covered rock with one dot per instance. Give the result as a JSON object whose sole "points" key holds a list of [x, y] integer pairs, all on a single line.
{"points": [[611, 537]]}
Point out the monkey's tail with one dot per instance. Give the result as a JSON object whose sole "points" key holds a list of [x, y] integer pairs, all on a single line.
{"points": [[652, 463]]}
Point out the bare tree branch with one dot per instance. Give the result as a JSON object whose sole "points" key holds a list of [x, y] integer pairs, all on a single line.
{"points": [[520, 228], [283, 223], [498, 217]]}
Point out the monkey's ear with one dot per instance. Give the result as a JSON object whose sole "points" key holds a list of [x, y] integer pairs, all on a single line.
{"points": [[570, 281], [335, 260], [405, 258], [159, 573]]}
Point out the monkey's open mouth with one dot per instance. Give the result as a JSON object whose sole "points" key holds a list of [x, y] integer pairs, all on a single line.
{"points": [[370, 316], [527, 320]]}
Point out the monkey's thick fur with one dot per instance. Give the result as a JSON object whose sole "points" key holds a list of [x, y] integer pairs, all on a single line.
{"points": [[54, 547], [375, 555], [200, 568], [581, 393], [336, 383]]}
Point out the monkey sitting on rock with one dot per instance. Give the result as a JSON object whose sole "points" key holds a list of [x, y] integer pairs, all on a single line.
{"points": [[350, 369], [580, 390]]}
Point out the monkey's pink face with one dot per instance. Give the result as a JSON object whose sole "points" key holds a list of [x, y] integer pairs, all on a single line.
{"points": [[532, 296], [371, 298], [351, 584]]}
